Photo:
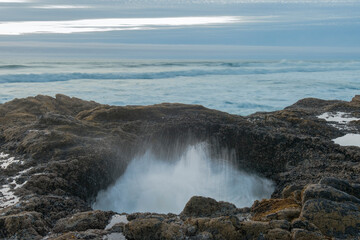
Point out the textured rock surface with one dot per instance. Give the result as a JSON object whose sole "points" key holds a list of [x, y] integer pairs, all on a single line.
{"points": [[333, 218], [69, 149], [83, 221], [25, 225], [207, 207], [279, 209]]}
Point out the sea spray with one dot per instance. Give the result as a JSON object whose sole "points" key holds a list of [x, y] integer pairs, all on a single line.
{"points": [[150, 184]]}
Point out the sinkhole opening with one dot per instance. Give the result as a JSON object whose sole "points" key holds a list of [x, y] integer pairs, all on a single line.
{"points": [[153, 184]]}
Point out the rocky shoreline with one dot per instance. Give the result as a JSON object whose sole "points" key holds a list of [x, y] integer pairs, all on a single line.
{"points": [[57, 153]]}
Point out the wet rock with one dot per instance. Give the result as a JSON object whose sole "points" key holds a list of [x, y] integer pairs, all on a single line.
{"points": [[47, 184], [315, 191], [286, 214], [282, 224], [301, 234], [278, 234], [190, 230], [89, 234], [254, 229], [83, 221], [304, 224], [54, 207], [275, 209], [339, 219], [203, 236], [342, 185], [25, 225], [292, 191], [207, 207], [219, 228], [151, 228]]}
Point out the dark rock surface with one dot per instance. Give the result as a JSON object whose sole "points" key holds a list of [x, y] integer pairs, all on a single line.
{"points": [[199, 206], [69, 149], [83, 221]]}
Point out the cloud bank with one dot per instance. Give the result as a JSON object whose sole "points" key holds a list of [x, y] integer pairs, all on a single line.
{"points": [[117, 24]]}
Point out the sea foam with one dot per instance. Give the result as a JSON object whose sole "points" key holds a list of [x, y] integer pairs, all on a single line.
{"points": [[151, 184]]}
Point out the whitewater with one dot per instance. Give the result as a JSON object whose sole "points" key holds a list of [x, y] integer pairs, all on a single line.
{"points": [[153, 184], [238, 87]]}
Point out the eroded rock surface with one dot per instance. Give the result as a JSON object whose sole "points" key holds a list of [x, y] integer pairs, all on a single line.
{"points": [[57, 153], [207, 207]]}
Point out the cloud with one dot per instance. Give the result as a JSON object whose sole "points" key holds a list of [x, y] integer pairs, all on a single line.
{"points": [[117, 24], [14, 1], [61, 6]]}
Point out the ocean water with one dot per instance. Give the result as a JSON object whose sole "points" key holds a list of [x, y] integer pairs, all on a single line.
{"points": [[238, 87]]}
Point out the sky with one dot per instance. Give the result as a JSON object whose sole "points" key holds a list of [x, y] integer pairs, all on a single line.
{"points": [[180, 29]]}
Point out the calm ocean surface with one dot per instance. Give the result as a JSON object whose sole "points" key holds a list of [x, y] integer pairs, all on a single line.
{"points": [[239, 87]]}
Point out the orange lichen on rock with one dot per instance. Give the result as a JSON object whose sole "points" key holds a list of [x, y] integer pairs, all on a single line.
{"points": [[262, 209]]}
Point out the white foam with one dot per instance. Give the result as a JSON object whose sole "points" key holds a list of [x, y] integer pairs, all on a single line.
{"points": [[19, 185], [350, 139], [6, 161], [3, 155], [117, 218], [339, 117], [114, 236], [25, 171], [7, 197], [153, 185]]}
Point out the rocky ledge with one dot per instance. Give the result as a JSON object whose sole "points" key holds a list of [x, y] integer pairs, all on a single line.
{"points": [[57, 153]]}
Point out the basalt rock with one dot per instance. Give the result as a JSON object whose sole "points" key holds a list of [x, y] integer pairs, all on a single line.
{"points": [[215, 228], [344, 186], [67, 150], [25, 225], [199, 206], [339, 219], [301, 234], [275, 209], [83, 221]]}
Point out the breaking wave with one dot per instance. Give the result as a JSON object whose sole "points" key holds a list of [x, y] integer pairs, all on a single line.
{"points": [[161, 70], [59, 77]]}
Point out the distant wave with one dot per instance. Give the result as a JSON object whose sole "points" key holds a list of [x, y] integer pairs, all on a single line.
{"points": [[226, 64], [56, 77], [13, 66], [248, 105]]}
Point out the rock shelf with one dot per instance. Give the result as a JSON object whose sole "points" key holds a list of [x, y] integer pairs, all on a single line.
{"points": [[64, 150]]}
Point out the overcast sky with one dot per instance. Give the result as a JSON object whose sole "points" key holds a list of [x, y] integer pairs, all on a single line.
{"points": [[180, 29]]}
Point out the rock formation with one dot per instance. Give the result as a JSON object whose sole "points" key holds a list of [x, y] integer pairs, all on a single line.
{"points": [[56, 154]]}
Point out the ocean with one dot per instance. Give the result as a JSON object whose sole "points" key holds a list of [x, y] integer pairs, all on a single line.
{"points": [[237, 87]]}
